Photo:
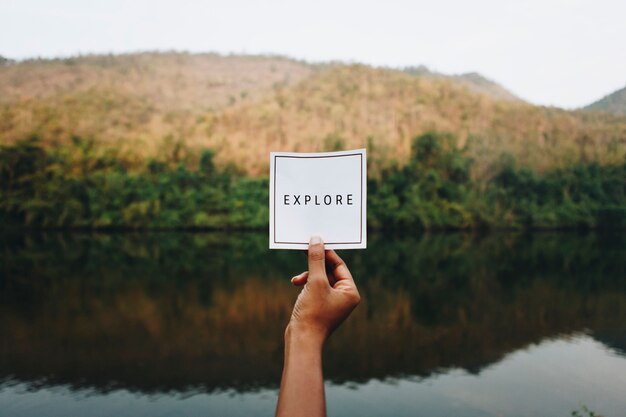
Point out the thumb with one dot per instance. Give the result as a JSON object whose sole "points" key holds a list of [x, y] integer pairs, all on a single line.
{"points": [[317, 264]]}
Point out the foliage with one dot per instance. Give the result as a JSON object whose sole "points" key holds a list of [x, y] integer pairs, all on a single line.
{"points": [[83, 186], [79, 187], [434, 190]]}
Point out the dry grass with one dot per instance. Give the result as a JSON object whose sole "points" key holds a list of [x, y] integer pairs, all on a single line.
{"points": [[167, 81], [246, 106], [384, 110], [132, 100]]}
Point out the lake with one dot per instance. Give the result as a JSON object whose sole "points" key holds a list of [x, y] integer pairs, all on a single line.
{"points": [[191, 324]]}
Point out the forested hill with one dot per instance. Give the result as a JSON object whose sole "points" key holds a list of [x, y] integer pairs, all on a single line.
{"points": [[473, 80], [613, 103], [175, 140], [147, 104]]}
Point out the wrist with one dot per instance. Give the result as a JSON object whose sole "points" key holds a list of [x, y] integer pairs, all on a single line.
{"points": [[310, 336]]}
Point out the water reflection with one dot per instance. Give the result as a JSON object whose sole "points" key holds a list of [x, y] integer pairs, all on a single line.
{"points": [[164, 313]]}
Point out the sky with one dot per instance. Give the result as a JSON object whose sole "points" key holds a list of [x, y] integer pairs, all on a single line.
{"points": [[565, 53]]}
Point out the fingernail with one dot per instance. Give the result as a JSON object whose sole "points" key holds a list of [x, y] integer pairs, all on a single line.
{"points": [[315, 239], [293, 279]]}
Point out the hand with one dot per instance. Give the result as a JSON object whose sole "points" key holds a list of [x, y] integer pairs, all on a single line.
{"points": [[328, 297], [329, 294]]}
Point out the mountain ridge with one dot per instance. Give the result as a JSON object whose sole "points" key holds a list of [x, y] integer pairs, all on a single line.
{"points": [[244, 106], [614, 103], [473, 80]]}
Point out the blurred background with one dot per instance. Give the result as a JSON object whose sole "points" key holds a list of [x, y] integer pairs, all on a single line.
{"points": [[135, 277]]}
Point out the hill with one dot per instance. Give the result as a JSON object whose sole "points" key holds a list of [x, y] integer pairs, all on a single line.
{"points": [[473, 80], [177, 140], [613, 103], [150, 104], [141, 98], [166, 81], [357, 106]]}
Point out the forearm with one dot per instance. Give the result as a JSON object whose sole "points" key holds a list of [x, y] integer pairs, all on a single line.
{"points": [[302, 384]]}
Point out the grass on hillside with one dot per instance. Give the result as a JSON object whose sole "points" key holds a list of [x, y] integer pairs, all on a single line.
{"points": [[357, 106], [144, 105]]}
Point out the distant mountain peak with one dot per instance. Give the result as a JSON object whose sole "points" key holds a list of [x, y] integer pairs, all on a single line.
{"points": [[419, 70], [614, 103], [477, 77], [474, 81]]}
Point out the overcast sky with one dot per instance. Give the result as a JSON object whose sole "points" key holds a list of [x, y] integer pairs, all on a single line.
{"points": [[566, 53]]}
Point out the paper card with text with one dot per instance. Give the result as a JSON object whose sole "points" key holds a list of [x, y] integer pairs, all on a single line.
{"points": [[318, 194]]}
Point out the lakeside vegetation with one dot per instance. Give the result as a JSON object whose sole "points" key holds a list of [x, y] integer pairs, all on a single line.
{"points": [[83, 186], [177, 140]]}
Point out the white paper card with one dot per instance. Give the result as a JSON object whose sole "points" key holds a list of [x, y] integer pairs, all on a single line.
{"points": [[318, 194]]}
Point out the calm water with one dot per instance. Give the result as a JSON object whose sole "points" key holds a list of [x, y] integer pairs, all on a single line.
{"points": [[191, 325]]}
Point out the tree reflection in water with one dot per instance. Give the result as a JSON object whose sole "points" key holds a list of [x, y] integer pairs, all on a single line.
{"points": [[172, 311]]}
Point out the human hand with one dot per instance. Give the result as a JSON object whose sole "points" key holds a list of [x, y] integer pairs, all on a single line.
{"points": [[329, 294]]}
